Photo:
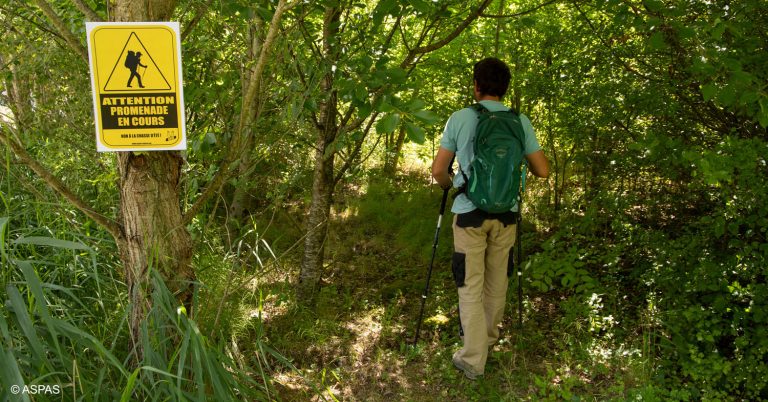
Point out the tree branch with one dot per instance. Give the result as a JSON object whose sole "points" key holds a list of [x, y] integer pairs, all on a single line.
{"points": [[542, 5], [608, 46], [448, 38], [88, 12], [358, 146], [196, 19], [233, 153], [61, 27], [57, 185]]}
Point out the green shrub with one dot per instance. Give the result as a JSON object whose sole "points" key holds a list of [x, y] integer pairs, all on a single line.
{"points": [[59, 334]]}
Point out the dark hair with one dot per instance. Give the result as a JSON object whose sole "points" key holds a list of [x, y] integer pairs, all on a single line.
{"points": [[492, 76]]}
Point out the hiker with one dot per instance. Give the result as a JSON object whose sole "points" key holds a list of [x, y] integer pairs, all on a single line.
{"points": [[482, 240], [133, 62]]}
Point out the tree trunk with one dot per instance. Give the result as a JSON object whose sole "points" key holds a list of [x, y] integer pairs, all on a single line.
{"points": [[317, 223], [242, 191], [153, 234], [18, 90], [322, 182], [393, 153]]}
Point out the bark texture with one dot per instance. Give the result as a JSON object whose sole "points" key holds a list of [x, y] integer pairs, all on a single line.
{"points": [[153, 233], [323, 180]]}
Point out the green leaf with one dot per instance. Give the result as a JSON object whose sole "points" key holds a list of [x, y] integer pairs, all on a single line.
{"points": [[656, 41], [3, 222], [364, 109], [388, 123], [128, 391], [49, 241], [415, 105], [415, 133], [385, 107], [762, 116], [420, 6], [702, 68], [361, 93], [654, 5], [397, 75], [264, 13], [708, 91], [727, 95], [427, 116], [16, 304], [718, 30]]}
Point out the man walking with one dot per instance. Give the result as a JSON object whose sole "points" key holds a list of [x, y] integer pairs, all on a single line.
{"points": [[482, 240]]}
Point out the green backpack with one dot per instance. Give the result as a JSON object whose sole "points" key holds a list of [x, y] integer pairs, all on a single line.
{"points": [[496, 168]]}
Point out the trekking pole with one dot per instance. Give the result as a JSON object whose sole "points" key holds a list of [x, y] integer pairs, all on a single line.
{"points": [[431, 261], [520, 250]]}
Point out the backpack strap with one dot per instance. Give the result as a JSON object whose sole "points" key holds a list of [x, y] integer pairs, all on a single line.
{"points": [[480, 110]]}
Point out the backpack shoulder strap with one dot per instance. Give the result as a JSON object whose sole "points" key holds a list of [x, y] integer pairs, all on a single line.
{"points": [[479, 108]]}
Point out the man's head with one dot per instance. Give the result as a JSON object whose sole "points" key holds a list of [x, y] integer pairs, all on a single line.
{"points": [[491, 77]]}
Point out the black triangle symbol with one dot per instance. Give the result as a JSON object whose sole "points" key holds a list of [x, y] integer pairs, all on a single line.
{"points": [[119, 63]]}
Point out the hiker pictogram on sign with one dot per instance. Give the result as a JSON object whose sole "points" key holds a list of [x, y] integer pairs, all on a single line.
{"points": [[133, 62], [135, 69]]}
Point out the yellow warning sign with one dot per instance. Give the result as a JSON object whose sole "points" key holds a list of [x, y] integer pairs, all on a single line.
{"points": [[137, 86]]}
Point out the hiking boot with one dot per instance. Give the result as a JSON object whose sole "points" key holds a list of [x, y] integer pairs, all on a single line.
{"points": [[468, 371]]}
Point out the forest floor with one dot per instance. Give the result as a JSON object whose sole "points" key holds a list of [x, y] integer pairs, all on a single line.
{"points": [[357, 344]]}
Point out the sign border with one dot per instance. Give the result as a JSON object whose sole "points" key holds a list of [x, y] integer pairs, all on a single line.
{"points": [[101, 145]]}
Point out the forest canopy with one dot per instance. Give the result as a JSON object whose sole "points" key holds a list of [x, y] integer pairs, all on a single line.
{"points": [[283, 254]]}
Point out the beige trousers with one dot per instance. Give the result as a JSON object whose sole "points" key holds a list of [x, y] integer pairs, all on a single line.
{"points": [[483, 296]]}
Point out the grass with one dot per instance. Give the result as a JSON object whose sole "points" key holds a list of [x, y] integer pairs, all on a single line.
{"points": [[64, 325], [65, 319], [357, 343]]}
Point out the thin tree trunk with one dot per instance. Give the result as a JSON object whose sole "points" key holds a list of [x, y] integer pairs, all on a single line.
{"points": [[393, 153], [317, 224], [241, 192], [322, 182]]}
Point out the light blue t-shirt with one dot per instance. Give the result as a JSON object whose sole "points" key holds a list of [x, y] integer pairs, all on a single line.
{"points": [[457, 137]]}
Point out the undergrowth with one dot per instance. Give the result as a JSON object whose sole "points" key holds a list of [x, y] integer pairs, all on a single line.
{"points": [[357, 342], [64, 331]]}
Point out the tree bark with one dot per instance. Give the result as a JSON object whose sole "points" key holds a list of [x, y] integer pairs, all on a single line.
{"points": [[323, 180], [393, 153], [153, 233], [241, 192], [317, 222]]}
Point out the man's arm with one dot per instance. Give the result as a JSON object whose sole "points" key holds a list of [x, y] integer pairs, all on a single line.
{"points": [[537, 163], [440, 167]]}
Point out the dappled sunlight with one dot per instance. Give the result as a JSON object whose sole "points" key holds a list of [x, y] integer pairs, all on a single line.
{"points": [[367, 330]]}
